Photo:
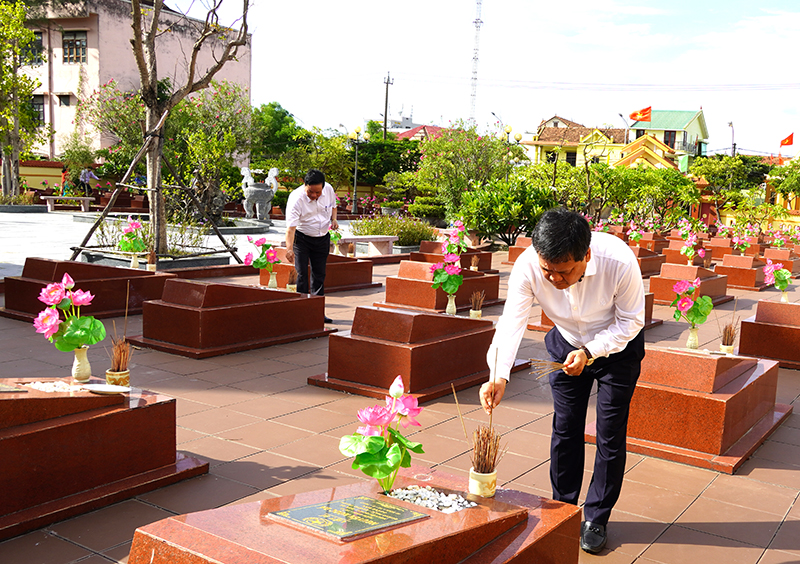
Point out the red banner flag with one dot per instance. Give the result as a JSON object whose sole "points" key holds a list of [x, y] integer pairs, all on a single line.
{"points": [[644, 114], [788, 141]]}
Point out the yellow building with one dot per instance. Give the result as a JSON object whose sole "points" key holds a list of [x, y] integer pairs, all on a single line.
{"points": [[574, 143]]}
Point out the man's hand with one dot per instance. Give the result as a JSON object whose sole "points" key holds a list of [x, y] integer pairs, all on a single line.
{"points": [[491, 393], [289, 255], [334, 224], [575, 362]]}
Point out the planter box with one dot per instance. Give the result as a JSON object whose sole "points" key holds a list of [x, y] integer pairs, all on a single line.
{"points": [[163, 264], [32, 208]]}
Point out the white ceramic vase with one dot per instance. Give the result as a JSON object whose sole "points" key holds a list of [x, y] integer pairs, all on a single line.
{"points": [[481, 484], [451, 304], [81, 369]]}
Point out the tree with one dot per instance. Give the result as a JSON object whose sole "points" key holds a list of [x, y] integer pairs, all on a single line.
{"points": [[461, 160], [146, 29], [661, 195], [506, 209], [785, 180], [375, 129], [19, 126], [275, 131], [378, 158]]}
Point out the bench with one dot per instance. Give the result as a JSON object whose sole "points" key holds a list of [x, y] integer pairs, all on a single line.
{"points": [[378, 244], [51, 201]]}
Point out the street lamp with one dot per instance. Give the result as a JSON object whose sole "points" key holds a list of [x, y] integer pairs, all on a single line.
{"points": [[733, 144], [355, 138], [627, 127]]}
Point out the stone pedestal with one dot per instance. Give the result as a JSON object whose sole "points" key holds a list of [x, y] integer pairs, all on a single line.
{"points": [[430, 351], [108, 284], [744, 272], [431, 251], [711, 284], [411, 289], [546, 323], [773, 332], [69, 453], [341, 273], [203, 319], [511, 527], [706, 410], [514, 251], [787, 257], [653, 242], [649, 261]]}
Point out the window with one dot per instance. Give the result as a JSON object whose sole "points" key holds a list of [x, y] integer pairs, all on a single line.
{"points": [[571, 157], [35, 48], [555, 124], [63, 100], [74, 45], [37, 101], [639, 133], [595, 160], [669, 139]]}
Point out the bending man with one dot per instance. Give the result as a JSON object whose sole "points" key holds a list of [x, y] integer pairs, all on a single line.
{"points": [[310, 213], [590, 286]]}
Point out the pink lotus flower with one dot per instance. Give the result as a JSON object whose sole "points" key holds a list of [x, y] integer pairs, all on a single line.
{"points": [[436, 266], [444, 248], [271, 255], [452, 269], [248, 259], [67, 281], [47, 322], [458, 225], [451, 258], [81, 298], [685, 304], [681, 286], [374, 419], [249, 239], [696, 282], [701, 253], [407, 409], [260, 242], [52, 294], [454, 238]]}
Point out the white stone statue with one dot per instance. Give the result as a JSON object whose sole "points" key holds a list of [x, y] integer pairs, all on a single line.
{"points": [[259, 195]]}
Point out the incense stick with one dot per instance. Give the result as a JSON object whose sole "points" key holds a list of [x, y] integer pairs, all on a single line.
{"points": [[460, 417], [542, 368]]}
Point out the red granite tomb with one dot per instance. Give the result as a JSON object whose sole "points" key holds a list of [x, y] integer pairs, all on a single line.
{"points": [[431, 252], [707, 410], [204, 319], [773, 332], [744, 272], [545, 324], [341, 273], [649, 261], [711, 284]]}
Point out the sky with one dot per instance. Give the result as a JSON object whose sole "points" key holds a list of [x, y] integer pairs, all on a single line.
{"points": [[587, 61]]}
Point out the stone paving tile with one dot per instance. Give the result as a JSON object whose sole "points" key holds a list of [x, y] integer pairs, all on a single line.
{"points": [[215, 450], [41, 547], [263, 470], [679, 545], [731, 521], [197, 494], [265, 435], [674, 477]]}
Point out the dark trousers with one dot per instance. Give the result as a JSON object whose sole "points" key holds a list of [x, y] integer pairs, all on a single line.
{"points": [[616, 377], [313, 250]]}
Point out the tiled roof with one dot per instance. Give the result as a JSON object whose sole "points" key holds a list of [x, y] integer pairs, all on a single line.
{"points": [[573, 135], [421, 132], [666, 119], [565, 121]]}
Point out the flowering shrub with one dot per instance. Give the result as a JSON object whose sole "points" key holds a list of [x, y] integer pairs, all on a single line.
{"points": [[693, 311], [379, 449], [131, 241], [740, 243], [447, 274], [267, 255], [775, 274], [74, 331], [634, 233]]}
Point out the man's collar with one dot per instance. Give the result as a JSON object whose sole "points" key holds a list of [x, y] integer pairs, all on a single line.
{"points": [[591, 267]]}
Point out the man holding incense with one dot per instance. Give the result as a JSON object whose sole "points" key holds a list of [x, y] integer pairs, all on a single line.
{"points": [[590, 285]]}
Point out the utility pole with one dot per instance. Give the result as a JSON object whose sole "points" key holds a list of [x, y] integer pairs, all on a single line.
{"points": [[474, 94], [387, 82]]}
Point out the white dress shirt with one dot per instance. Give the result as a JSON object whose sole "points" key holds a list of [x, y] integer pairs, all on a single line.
{"points": [[310, 217], [602, 312]]}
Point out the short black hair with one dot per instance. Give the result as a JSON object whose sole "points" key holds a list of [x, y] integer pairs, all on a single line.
{"points": [[562, 235], [314, 177]]}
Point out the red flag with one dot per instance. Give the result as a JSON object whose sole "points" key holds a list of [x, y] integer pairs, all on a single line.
{"points": [[644, 114], [788, 141]]}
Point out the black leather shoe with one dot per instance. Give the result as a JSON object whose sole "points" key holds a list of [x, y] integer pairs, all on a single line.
{"points": [[328, 320], [593, 537]]}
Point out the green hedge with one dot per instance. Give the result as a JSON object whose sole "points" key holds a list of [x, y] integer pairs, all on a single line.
{"points": [[409, 231]]}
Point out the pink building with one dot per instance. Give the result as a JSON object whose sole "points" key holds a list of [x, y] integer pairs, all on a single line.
{"points": [[89, 43]]}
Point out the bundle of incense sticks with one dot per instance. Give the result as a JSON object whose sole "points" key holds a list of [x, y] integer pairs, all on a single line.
{"points": [[542, 368], [476, 300]]}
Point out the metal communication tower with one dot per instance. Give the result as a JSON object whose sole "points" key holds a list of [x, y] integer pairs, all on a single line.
{"points": [[474, 94]]}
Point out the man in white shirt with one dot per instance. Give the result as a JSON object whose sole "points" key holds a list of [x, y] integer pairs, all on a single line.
{"points": [[590, 286], [310, 213]]}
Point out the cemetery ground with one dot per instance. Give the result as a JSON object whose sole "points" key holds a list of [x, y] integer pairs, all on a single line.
{"points": [[266, 433]]}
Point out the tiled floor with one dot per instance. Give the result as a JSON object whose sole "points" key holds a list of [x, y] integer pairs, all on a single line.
{"points": [[267, 433]]}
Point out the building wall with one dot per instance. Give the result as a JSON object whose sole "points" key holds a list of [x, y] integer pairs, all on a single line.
{"points": [[110, 56]]}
